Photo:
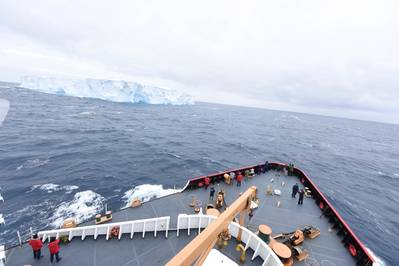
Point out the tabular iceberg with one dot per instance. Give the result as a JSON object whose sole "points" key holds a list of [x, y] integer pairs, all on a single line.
{"points": [[109, 90]]}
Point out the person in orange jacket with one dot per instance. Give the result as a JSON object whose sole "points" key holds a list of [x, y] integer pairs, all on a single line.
{"points": [[54, 248], [36, 245], [239, 179]]}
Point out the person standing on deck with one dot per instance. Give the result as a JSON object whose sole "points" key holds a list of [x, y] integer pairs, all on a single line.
{"points": [[267, 166], [233, 177], [54, 248], [36, 245], [239, 179], [300, 200], [295, 189], [212, 193]]}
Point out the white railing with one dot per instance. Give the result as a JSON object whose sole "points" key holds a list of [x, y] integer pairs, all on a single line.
{"points": [[2, 256], [129, 227], [251, 240]]}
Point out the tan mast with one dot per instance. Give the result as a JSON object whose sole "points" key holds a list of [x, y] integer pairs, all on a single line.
{"points": [[199, 248]]}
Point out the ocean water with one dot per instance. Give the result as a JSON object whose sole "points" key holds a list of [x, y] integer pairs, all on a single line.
{"points": [[63, 156]]}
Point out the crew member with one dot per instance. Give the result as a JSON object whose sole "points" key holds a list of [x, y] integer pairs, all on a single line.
{"points": [[36, 245], [300, 200], [239, 179], [54, 248], [295, 189], [232, 176], [212, 193], [267, 166], [207, 181]]}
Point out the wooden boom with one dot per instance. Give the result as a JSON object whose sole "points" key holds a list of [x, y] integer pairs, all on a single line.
{"points": [[199, 247]]}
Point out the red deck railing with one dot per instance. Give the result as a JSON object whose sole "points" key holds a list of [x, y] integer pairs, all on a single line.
{"points": [[350, 240]]}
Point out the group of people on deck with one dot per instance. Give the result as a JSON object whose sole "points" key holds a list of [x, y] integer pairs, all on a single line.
{"points": [[53, 246], [301, 192]]}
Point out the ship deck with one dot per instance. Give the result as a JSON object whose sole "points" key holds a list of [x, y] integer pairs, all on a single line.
{"points": [[326, 249]]}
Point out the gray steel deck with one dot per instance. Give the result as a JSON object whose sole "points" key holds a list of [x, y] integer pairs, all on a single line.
{"points": [[326, 249]]}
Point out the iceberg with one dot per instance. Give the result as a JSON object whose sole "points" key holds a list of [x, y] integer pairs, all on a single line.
{"points": [[108, 90]]}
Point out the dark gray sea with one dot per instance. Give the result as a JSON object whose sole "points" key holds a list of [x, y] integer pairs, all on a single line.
{"points": [[65, 156]]}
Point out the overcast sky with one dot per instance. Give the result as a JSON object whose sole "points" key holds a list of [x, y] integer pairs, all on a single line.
{"points": [[337, 58]]}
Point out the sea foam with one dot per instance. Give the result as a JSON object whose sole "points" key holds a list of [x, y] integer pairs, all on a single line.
{"points": [[84, 205], [147, 192]]}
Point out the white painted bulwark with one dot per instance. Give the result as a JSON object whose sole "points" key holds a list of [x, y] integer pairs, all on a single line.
{"points": [[2, 222], [2, 255], [215, 257], [129, 227]]}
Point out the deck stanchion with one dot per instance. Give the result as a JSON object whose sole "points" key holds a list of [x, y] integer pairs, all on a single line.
{"points": [[188, 225], [155, 228], [132, 231], [120, 231], [178, 225], [144, 229], [199, 224], [19, 239], [256, 251], [167, 227], [107, 237]]}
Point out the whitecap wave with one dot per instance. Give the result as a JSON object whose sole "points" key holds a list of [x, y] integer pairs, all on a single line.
{"points": [[33, 163], [4, 107], [84, 205], [146, 192], [378, 260], [109, 90], [50, 188]]}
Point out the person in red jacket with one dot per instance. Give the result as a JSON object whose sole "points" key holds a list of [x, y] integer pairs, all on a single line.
{"points": [[207, 181], [36, 245], [54, 247], [239, 179]]}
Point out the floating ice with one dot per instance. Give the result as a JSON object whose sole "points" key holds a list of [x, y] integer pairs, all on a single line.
{"points": [[147, 192], [84, 205], [109, 90]]}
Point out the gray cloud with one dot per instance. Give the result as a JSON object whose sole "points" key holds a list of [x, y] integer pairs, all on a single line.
{"points": [[329, 57]]}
